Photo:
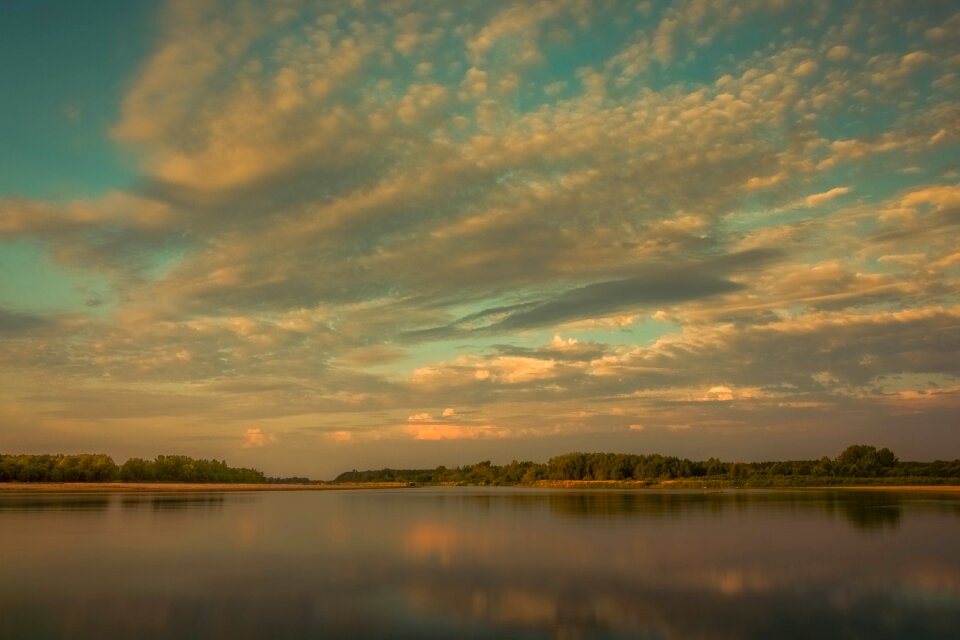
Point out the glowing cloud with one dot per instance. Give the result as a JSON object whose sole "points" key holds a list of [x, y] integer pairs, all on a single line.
{"points": [[454, 432], [819, 199], [255, 437]]}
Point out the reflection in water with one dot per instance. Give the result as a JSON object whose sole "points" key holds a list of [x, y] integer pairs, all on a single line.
{"points": [[481, 563], [58, 502], [872, 511], [864, 510], [173, 501], [54, 502]]}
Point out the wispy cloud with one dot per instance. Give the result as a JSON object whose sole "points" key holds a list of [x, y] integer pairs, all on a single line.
{"points": [[12, 322], [819, 199]]}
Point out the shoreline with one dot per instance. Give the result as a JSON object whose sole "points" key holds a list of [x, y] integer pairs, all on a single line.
{"points": [[197, 487], [179, 487], [946, 488]]}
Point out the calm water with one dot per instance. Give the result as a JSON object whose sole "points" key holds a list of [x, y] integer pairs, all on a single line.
{"points": [[432, 563]]}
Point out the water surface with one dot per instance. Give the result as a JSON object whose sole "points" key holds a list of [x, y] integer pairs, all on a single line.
{"points": [[437, 563]]}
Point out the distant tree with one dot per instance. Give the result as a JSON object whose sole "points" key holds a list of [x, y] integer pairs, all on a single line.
{"points": [[713, 467], [865, 460], [137, 470], [886, 458]]}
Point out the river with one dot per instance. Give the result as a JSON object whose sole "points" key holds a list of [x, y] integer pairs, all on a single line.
{"points": [[481, 563]]}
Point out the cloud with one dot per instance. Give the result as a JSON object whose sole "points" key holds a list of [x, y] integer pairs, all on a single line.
{"points": [[720, 393], [915, 59], [606, 298], [16, 323], [500, 369], [819, 199], [806, 68], [522, 21], [839, 52], [856, 348], [443, 431], [813, 360], [657, 285], [255, 437]]}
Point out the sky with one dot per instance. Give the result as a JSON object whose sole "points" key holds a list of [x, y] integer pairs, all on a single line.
{"points": [[316, 236]]}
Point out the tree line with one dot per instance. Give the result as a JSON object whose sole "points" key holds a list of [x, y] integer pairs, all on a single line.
{"points": [[857, 462], [98, 467]]}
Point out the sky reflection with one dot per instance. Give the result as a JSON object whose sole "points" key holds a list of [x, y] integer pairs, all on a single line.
{"points": [[481, 563]]}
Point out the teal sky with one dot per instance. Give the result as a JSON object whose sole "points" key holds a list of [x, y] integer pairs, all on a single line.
{"points": [[66, 65], [317, 236]]}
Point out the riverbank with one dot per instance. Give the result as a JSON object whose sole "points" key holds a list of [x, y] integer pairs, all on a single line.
{"points": [[628, 485], [943, 488], [176, 487], [726, 485]]}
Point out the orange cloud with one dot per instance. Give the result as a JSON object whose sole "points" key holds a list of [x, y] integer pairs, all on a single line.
{"points": [[819, 199], [454, 432], [255, 437]]}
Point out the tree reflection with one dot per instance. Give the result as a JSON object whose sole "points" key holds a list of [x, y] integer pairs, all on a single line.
{"points": [[863, 510], [174, 502], [54, 502], [873, 511]]}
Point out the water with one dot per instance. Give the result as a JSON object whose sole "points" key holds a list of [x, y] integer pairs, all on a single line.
{"points": [[480, 563]]}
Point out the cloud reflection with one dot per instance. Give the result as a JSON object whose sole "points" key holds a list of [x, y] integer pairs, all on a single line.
{"points": [[478, 563]]}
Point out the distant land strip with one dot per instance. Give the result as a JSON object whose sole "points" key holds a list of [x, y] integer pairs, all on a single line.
{"points": [[857, 465], [183, 487]]}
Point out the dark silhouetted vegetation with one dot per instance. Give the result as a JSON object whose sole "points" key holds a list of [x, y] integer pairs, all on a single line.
{"points": [[290, 480], [86, 467], [857, 464]]}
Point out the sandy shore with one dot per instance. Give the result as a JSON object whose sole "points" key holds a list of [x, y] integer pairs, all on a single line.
{"points": [[177, 487], [694, 485], [906, 487]]}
